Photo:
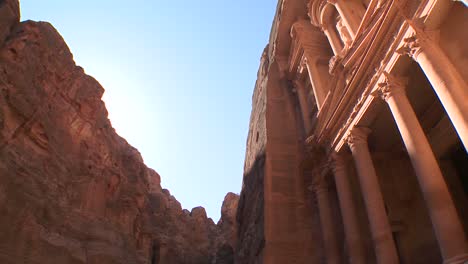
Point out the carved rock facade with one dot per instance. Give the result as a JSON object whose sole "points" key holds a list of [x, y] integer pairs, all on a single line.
{"points": [[358, 136]]}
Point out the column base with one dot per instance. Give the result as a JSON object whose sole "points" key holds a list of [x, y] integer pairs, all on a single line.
{"points": [[460, 259]]}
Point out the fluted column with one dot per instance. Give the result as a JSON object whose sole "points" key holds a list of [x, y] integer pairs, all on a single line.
{"points": [[320, 187], [448, 229], [379, 225], [352, 12], [348, 211], [445, 79]]}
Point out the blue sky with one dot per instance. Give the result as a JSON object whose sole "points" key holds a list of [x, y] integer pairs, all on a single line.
{"points": [[179, 77]]}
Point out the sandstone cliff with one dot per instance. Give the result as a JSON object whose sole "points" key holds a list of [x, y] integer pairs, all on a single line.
{"points": [[71, 189]]}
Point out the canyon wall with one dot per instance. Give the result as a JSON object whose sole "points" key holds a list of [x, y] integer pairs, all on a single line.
{"points": [[71, 189], [276, 217]]}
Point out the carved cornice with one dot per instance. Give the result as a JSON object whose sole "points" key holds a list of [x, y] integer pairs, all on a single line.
{"points": [[390, 86], [307, 41]]}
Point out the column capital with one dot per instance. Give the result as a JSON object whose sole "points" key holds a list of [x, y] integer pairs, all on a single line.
{"points": [[411, 47], [391, 86], [358, 136], [420, 37]]}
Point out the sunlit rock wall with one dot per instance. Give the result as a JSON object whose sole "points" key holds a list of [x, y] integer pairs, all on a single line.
{"points": [[71, 189]]}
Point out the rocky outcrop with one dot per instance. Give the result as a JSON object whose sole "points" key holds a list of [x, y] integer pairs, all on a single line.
{"points": [[227, 223], [226, 239], [71, 189], [9, 17]]}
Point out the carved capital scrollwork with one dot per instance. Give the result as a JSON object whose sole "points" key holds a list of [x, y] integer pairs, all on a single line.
{"points": [[358, 136], [411, 47], [419, 39], [391, 86]]}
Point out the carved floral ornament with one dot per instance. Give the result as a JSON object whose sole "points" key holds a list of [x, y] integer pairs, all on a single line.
{"points": [[410, 47], [357, 136], [420, 37], [390, 86]]}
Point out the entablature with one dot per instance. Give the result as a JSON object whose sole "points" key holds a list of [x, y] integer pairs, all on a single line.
{"points": [[390, 35]]}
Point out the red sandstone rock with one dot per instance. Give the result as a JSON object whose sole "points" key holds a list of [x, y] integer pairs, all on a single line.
{"points": [[71, 189], [227, 228], [9, 16], [227, 223]]}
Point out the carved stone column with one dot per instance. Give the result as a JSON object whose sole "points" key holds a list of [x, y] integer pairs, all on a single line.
{"points": [[348, 211], [379, 225], [320, 187], [447, 226], [352, 12], [445, 79], [333, 38], [304, 105]]}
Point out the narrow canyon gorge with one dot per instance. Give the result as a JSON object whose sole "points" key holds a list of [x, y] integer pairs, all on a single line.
{"points": [[356, 150]]}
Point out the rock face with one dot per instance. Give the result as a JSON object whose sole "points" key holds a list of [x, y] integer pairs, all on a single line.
{"points": [[250, 212], [227, 236], [71, 189], [277, 218]]}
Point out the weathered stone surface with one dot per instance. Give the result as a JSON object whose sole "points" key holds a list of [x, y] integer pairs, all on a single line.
{"points": [[227, 237], [227, 223], [250, 212], [71, 189], [9, 16]]}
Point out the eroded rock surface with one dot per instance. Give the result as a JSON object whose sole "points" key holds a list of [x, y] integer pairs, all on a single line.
{"points": [[226, 240], [71, 189]]}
